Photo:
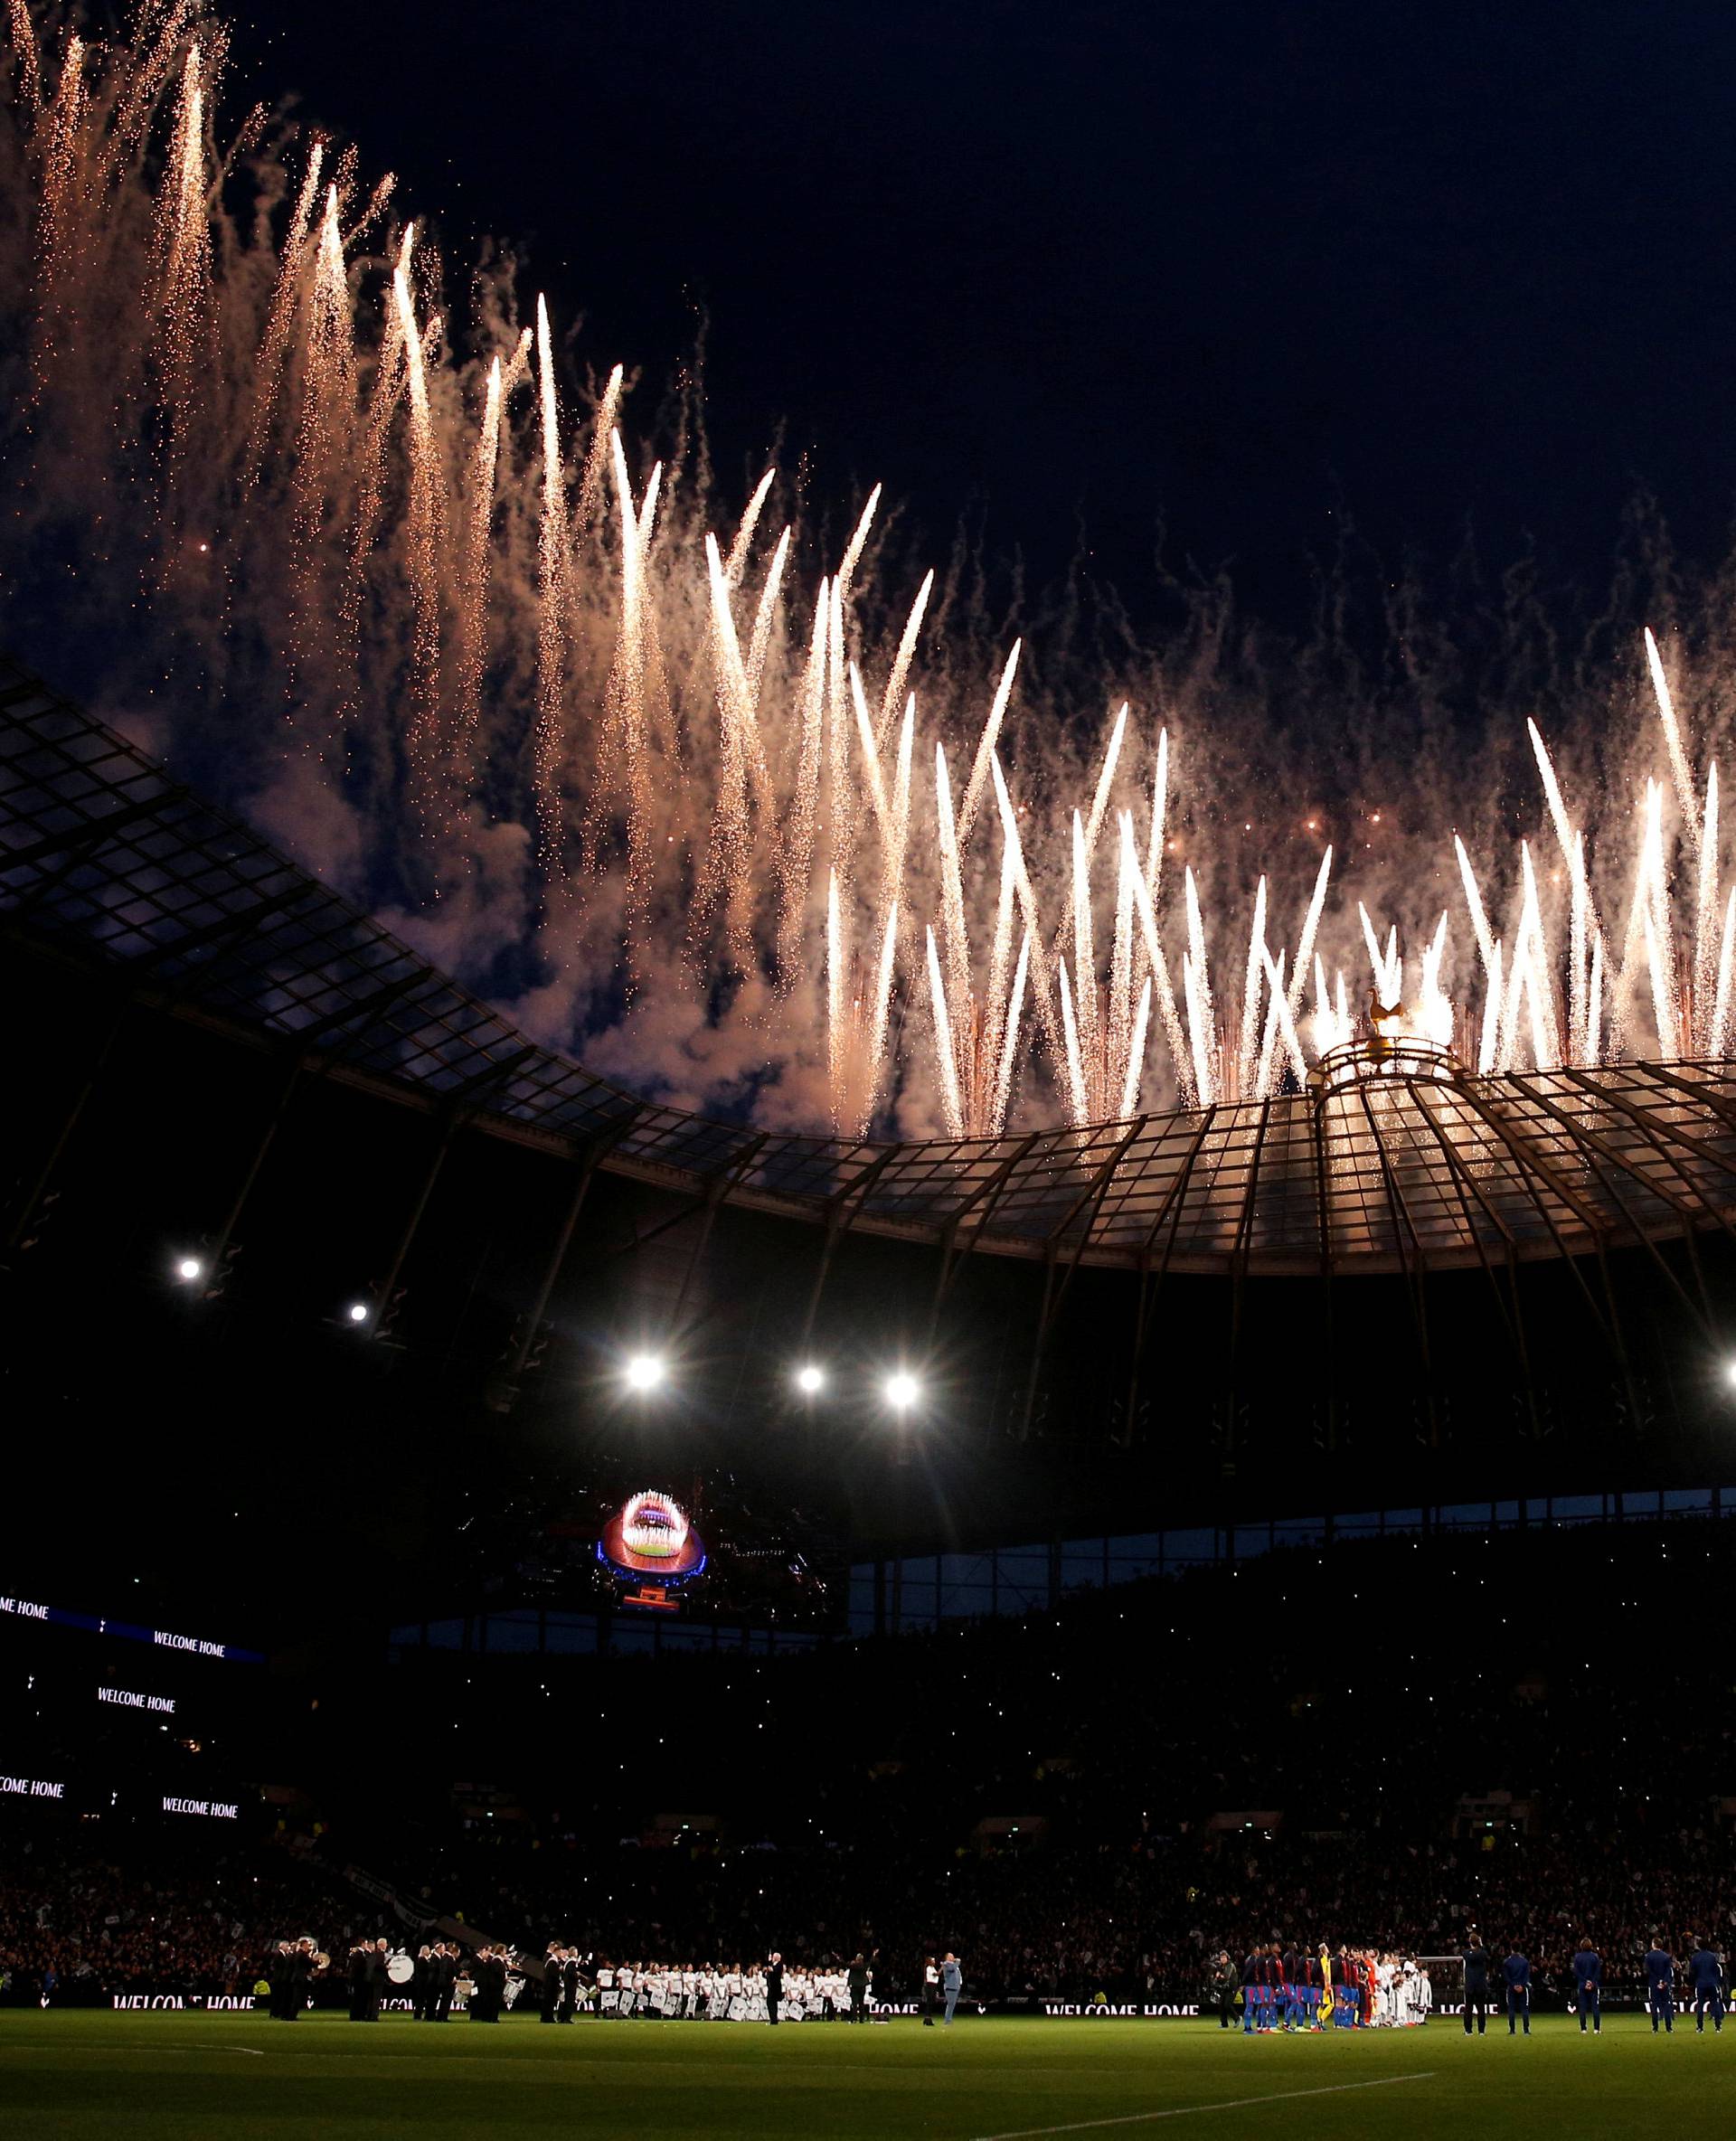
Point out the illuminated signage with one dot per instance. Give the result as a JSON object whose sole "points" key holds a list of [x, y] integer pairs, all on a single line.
{"points": [[127, 1699], [32, 1787], [212, 1809], [192, 1643], [99, 1625], [650, 1535]]}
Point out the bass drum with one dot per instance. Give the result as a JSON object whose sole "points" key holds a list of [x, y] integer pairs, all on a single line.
{"points": [[399, 1968]]}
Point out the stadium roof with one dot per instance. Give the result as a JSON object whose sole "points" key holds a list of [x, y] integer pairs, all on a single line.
{"points": [[105, 856]]}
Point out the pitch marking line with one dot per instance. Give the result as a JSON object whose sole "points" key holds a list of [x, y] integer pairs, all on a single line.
{"points": [[1140, 2118], [245, 2052]]}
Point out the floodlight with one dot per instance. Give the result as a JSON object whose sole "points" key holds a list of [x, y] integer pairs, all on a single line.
{"points": [[189, 1268], [357, 1312], [810, 1380], [903, 1391], [645, 1372]]}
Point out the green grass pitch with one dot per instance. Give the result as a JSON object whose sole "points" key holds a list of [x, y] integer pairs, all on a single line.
{"points": [[94, 2076]]}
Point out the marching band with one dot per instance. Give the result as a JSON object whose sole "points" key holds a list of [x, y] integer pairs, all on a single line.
{"points": [[494, 1980]]}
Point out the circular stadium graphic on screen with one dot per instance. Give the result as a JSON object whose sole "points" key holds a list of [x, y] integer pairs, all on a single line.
{"points": [[650, 1536]]}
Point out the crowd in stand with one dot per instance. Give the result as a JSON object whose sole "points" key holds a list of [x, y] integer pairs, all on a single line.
{"points": [[83, 1922], [1376, 1744]]}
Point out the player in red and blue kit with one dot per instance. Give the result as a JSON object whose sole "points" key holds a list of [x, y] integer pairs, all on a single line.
{"points": [[1588, 1987], [1252, 1993], [1277, 1988]]}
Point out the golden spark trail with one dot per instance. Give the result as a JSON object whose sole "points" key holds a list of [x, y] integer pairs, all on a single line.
{"points": [[943, 1047], [389, 380], [425, 534], [274, 348], [834, 983], [552, 613], [736, 563], [473, 599], [1180, 1055], [1305, 943], [24, 42], [1010, 1041], [1135, 1055], [626, 724], [1719, 1041], [1705, 930], [795, 848], [952, 890], [1252, 975], [1679, 767], [986, 743], [184, 338], [1197, 988], [902, 660]]}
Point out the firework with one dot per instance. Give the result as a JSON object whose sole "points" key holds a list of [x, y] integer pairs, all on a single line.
{"points": [[759, 795]]}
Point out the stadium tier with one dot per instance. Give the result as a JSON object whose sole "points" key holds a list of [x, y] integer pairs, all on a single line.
{"points": [[1376, 1743]]}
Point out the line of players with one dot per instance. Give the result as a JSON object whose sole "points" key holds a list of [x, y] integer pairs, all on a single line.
{"points": [[1704, 1972], [574, 1985], [1306, 1989]]}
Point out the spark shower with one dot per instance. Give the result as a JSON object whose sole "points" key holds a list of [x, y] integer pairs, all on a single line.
{"points": [[811, 845]]}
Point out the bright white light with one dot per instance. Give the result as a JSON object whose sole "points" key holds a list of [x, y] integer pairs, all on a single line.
{"points": [[358, 1312], [810, 1380], [1729, 1371], [645, 1372], [903, 1392], [188, 1268]]}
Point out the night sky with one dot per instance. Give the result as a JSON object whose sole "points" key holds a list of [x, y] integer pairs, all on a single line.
{"points": [[1246, 265]]}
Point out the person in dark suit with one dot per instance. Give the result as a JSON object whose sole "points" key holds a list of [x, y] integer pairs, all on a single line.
{"points": [[1516, 1970], [1706, 1983], [857, 1980], [301, 1969], [1226, 1984], [361, 1958], [488, 1975], [276, 1975], [774, 1985], [548, 1996], [1660, 1985], [1477, 1985], [422, 1981], [573, 1985], [1588, 1987], [446, 1979], [379, 1955]]}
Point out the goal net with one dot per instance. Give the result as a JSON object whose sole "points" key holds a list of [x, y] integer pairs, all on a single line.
{"points": [[1447, 1976]]}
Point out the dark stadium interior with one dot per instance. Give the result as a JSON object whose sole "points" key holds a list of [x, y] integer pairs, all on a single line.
{"points": [[868, 928], [1085, 1686], [1091, 1798]]}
